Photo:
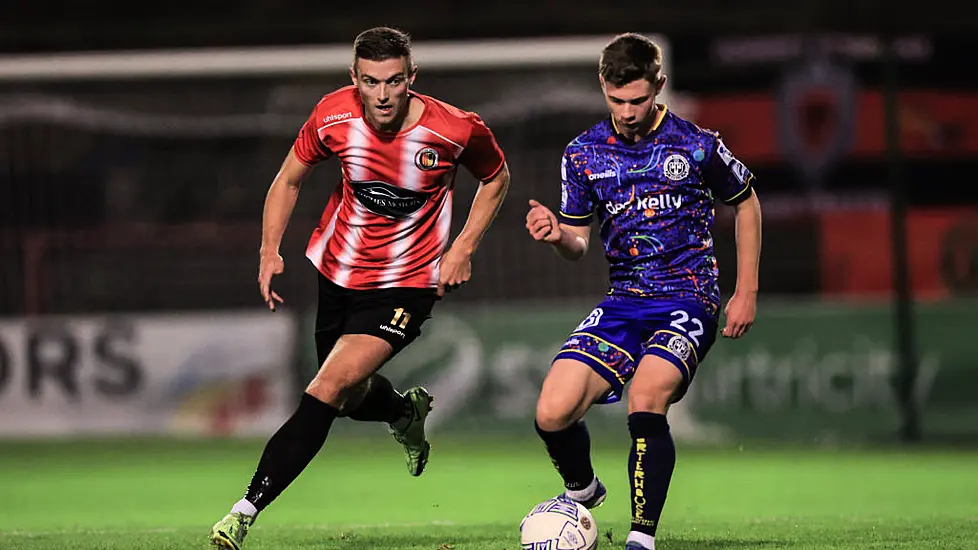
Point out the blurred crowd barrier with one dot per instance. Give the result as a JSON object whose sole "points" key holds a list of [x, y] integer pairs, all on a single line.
{"points": [[810, 372]]}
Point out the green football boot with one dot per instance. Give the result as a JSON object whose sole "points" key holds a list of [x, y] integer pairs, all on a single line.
{"points": [[409, 431], [230, 532]]}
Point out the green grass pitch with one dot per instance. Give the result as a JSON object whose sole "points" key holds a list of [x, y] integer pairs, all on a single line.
{"points": [[163, 494]]}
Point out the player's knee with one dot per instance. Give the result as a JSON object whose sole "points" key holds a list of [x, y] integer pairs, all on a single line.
{"points": [[655, 383], [554, 415], [325, 392], [340, 392], [648, 402], [652, 397]]}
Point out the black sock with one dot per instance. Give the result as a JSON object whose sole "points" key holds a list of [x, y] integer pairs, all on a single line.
{"points": [[570, 452], [290, 450], [381, 403], [650, 465]]}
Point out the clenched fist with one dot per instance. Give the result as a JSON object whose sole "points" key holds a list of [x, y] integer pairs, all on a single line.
{"points": [[542, 223]]}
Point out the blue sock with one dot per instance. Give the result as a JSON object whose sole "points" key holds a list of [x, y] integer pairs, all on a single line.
{"points": [[650, 466], [570, 452]]}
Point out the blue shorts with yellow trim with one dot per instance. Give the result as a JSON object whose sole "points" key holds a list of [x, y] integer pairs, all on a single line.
{"points": [[622, 330]]}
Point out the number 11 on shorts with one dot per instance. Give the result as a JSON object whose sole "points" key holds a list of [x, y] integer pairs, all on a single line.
{"points": [[402, 316]]}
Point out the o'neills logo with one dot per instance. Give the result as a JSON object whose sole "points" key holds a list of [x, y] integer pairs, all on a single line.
{"points": [[388, 200]]}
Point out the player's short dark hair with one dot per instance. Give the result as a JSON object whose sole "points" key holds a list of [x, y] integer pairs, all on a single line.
{"points": [[629, 57], [380, 44]]}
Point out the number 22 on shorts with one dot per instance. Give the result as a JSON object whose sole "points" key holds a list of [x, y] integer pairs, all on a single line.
{"points": [[402, 316], [681, 318]]}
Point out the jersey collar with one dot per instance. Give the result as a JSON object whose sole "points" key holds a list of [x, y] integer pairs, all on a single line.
{"points": [[659, 118]]}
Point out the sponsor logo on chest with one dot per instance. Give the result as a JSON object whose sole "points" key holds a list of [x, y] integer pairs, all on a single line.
{"points": [[388, 200], [666, 201]]}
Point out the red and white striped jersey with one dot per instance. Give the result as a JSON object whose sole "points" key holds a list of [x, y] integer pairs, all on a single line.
{"points": [[388, 222]]}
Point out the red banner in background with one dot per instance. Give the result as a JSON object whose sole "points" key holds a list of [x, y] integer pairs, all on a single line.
{"points": [[857, 259], [932, 123]]}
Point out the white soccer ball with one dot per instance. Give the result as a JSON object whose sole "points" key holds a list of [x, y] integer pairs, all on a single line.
{"points": [[558, 524]]}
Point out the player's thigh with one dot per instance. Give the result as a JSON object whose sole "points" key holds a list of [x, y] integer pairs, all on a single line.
{"points": [[592, 366], [569, 390], [350, 363], [331, 308], [657, 380], [680, 340], [377, 325], [392, 315]]}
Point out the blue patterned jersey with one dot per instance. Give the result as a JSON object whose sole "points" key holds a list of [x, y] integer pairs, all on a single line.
{"points": [[654, 204]]}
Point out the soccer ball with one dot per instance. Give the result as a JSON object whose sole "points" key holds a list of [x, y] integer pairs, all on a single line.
{"points": [[558, 524]]}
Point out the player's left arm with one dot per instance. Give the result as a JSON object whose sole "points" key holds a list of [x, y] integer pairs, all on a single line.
{"points": [[741, 308], [484, 159], [733, 184]]}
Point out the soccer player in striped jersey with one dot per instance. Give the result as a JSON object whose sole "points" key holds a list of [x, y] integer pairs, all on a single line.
{"points": [[381, 250]]}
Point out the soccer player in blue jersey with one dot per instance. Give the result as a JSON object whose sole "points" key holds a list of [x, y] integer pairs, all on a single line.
{"points": [[649, 179]]}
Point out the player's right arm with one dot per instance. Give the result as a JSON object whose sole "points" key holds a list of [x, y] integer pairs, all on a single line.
{"points": [[279, 203], [307, 150], [570, 241], [569, 232]]}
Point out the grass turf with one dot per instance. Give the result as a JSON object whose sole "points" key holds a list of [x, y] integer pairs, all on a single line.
{"points": [[161, 494]]}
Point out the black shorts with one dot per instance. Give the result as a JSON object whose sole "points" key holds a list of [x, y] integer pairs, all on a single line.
{"points": [[392, 314]]}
